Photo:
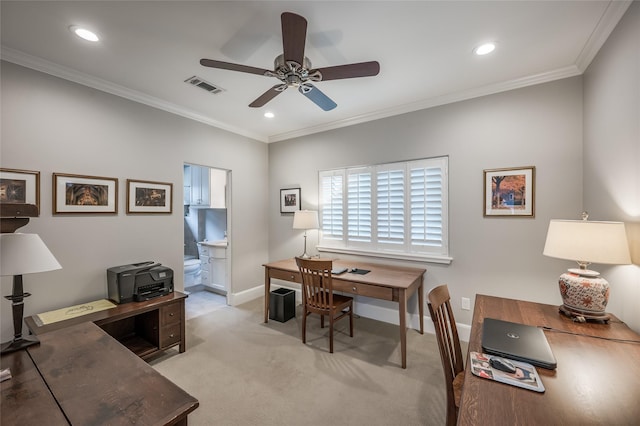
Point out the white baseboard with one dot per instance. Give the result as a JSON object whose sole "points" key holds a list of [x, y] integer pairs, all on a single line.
{"points": [[363, 309]]}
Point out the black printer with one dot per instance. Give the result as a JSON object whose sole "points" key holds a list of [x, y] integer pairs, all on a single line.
{"points": [[139, 281]]}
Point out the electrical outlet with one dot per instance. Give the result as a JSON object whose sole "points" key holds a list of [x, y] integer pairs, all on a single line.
{"points": [[466, 303]]}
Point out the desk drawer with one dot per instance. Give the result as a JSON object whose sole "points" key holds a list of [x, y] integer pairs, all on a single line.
{"points": [[171, 335], [368, 290], [171, 314], [285, 275]]}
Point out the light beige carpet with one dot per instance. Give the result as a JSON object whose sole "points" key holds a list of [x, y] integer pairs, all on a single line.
{"points": [[246, 372]]}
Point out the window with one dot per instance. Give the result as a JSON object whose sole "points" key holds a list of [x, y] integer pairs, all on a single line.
{"points": [[390, 210]]}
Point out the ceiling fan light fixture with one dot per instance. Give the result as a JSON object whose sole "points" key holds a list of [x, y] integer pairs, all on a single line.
{"points": [[269, 114], [484, 49], [84, 33]]}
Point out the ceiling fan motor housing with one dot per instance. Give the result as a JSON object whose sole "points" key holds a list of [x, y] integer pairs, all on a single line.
{"points": [[292, 73]]}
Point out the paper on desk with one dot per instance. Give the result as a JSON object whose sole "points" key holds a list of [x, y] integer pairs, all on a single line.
{"points": [[73, 311], [5, 375]]}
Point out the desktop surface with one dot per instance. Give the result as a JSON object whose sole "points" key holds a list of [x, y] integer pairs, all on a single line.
{"points": [[596, 380]]}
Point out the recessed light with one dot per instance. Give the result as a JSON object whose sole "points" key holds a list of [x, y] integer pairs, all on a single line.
{"points": [[269, 114], [84, 33], [484, 49]]}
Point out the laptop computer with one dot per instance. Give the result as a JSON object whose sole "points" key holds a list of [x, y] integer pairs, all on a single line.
{"points": [[517, 341]]}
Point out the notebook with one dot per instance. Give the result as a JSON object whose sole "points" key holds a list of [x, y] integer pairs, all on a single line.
{"points": [[517, 341]]}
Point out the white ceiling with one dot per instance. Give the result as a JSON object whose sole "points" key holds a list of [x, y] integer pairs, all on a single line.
{"points": [[148, 49]]}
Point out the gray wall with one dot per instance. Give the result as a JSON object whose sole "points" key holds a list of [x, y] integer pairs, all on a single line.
{"points": [[538, 126], [52, 125], [612, 153]]}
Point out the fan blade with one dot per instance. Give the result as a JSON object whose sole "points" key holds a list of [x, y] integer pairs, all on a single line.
{"points": [[317, 97], [294, 34], [233, 67], [268, 95], [361, 69]]}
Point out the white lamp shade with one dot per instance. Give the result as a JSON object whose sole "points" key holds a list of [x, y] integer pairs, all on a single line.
{"points": [[305, 219], [588, 241], [25, 254]]}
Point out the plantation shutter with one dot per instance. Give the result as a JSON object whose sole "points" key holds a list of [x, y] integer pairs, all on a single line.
{"points": [[390, 205], [399, 208], [427, 206], [331, 205], [359, 199]]}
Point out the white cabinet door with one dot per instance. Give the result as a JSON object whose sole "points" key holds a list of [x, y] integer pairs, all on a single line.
{"points": [[200, 186], [218, 275]]}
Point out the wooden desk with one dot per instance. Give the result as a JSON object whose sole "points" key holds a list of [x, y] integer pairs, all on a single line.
{"points": [[597, 381], [146, 328], [91, 380], [394, 283]]}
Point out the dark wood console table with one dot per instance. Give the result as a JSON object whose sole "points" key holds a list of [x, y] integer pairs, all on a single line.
{"points": [[79, 375], [146, 328]]}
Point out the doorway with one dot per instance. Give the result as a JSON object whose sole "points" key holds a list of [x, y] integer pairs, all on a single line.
{"points": [[207, 236]]}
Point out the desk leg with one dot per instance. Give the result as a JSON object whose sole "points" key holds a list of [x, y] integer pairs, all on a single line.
{"points": [[403, 326], [267, 285], [421, 305]]}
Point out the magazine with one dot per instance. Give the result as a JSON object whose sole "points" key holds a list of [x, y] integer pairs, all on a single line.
{"points": [[526, 375]]}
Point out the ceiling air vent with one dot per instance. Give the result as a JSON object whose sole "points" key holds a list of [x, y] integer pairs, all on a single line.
{"points": [[198, 82]]}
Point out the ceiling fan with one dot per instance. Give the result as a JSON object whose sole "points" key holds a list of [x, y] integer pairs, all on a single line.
{"points": [[293, 69]]}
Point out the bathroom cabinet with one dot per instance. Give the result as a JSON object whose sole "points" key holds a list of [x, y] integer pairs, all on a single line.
{"points": [[213, 261], [205, 187]]}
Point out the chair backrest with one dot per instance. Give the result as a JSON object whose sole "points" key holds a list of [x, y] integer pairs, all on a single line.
{"points": [[317, 287], [448, 341]]}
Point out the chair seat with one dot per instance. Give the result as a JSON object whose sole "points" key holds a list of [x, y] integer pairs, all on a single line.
{"points": [[340, 300]]}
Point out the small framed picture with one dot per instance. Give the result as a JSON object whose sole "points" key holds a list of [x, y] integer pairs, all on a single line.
{"points": [[509, 192], [149, 197], [290, 200], [20, 187], [79, 194]]}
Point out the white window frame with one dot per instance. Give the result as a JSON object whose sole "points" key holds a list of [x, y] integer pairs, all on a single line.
{"points": [[359, 233]]}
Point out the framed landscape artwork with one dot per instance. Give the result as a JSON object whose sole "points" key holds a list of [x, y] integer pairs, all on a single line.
{"points": [[149, 197], [509, 192], [79, 194], [20, 187], [290, 200]]}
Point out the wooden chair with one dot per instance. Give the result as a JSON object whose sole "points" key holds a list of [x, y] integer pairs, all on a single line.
{"points": [[318, 297], [449, 345]]}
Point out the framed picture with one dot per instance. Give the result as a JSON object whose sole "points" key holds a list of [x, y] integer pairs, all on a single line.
{"points": [[290, 200], [149, 197], [78, 194], [20, 187], [509, 192]]}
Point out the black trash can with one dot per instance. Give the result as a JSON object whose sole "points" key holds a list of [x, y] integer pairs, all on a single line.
{"points": [[282, 304]]}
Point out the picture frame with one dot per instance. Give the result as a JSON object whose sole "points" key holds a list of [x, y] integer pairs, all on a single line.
{"points": [[509, 192], [80, 194], [148, 197], [290, 200], [20, 187]]}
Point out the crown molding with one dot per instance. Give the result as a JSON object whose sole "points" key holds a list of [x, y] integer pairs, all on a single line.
{"points": [[610, 18], [20, 58], [491, 89]]}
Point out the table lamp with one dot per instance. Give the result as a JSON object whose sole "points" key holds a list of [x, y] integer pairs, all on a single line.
{"points": [[305, 219], [22, 254], [584, 292]]}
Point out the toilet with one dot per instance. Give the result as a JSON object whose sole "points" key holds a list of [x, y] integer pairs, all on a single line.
{"points": [[191, 271]]}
